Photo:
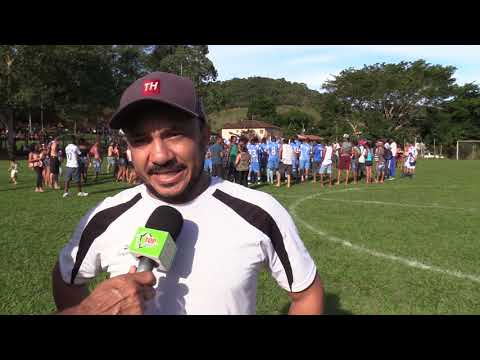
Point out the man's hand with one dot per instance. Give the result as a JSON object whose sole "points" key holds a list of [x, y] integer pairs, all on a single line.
{"points": [[121, 295]]}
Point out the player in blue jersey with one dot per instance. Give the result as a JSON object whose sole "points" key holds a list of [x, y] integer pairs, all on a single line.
{"points": [[317, 160], [304, 159], [263, 156], [296, 151], [253, 150], [273, 150]]}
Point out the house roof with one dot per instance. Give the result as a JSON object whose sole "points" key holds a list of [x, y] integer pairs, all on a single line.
{"points": [[249, 124], [310, 137]]}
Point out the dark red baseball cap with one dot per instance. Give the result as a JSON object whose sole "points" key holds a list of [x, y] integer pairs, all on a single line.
{"points": [[158, 87]]}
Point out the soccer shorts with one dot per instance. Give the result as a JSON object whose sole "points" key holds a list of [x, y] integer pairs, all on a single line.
{"points": [[344, 163], [255, 167], [304, 164], [285, 168], [272, 163], [326, 169], [72, 173]]}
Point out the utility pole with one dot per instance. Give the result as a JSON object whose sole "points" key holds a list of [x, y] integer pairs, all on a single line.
{"points": [[41, 108], [29, 125]]}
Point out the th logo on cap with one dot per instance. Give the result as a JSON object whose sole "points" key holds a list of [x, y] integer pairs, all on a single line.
{"points": [[151, 87]]}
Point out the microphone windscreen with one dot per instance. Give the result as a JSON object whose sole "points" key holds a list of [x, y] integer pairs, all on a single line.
{"points": [[166, 218]]}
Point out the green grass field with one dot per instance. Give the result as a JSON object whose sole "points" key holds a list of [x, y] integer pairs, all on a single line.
{"points": [[409, 246]]}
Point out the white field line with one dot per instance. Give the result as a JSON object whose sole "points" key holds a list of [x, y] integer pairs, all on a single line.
{"points": [[408, 262], [289, 196], [433, 206]]}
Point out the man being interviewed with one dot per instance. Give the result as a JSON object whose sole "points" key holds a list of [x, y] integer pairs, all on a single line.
{"points": [[167, 134]]}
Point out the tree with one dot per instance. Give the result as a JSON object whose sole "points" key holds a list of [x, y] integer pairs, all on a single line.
{"points": [[73, 80], [262, 108], [15, 89], [214, 99], [396, 91], [458, 118], [296, 122], [130, 62], [186, 60]]}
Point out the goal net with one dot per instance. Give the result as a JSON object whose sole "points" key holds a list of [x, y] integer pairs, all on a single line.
{"points": [[468, 150]]}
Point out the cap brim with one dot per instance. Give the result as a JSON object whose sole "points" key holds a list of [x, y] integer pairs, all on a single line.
{"points": [[118, 119]]}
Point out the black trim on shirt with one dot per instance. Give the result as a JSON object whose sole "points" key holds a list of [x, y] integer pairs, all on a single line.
{"points": [[97, 226], [264, 222]]}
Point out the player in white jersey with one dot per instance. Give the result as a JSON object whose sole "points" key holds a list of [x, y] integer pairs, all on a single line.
{"points": [[410, 160], [287, 158], [208, 275], [327, 161], [72, 168]]}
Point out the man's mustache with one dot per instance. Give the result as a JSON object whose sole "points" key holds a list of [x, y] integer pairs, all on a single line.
{"points": [[168, 167]]}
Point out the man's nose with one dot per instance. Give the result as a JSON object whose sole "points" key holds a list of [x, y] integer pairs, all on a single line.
{"points": [[159, 151]]}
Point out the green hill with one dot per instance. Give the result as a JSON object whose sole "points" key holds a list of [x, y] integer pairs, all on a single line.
{"points": [[228, 101], [219, 118]]}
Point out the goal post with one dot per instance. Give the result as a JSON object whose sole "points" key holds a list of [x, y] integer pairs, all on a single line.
{"points": [[468, 150]]}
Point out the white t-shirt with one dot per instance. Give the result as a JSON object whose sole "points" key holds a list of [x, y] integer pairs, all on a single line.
{"points": [[129, 154], [328, 155], [361, 158], [412, 152], [393, 147], [229, 234], [72, 151], [287, 154]]}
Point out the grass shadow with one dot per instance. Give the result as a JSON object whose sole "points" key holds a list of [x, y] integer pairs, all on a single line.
{"points": [[13, 187], [91, 182], [331, 306], [110, 190], [259, 186]]}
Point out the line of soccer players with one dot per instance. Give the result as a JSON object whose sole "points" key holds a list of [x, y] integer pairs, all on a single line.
{"points": [[298, 160]]}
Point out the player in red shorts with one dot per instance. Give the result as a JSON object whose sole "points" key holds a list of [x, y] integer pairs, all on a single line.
{"points": [[345, 159]]}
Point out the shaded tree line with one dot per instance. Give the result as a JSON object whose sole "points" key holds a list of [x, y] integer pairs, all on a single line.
{"points": [[80, 81]]}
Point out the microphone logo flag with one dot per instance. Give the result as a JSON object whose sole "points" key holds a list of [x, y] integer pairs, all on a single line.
{"points": [[146, 240], [154, 244]]}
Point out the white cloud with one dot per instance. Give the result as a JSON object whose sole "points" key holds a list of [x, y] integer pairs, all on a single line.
{"points": [[314, 79]]}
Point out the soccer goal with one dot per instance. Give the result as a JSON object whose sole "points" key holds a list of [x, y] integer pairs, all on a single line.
{"points": [[468, 150]]}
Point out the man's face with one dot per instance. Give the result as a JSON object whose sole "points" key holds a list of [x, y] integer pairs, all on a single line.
{"points": [[167, 152]]}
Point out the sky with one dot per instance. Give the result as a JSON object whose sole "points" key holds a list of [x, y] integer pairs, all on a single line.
{"points": [[313, 64]]}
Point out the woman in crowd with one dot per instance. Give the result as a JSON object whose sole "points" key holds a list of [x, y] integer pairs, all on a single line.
{"points": [[122, 164], [46, 165], [35, 162], [242, 164], [368, 154], [116, 157]]}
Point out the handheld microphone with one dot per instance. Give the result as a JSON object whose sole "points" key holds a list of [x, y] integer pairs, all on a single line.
{"points": [[154, 243]]}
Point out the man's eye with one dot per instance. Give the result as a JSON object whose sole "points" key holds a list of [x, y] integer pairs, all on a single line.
{"points": [[139, 140]]}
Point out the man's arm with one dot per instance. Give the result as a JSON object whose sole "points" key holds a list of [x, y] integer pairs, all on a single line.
{"points": [[65, 295], [308, 301]]}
